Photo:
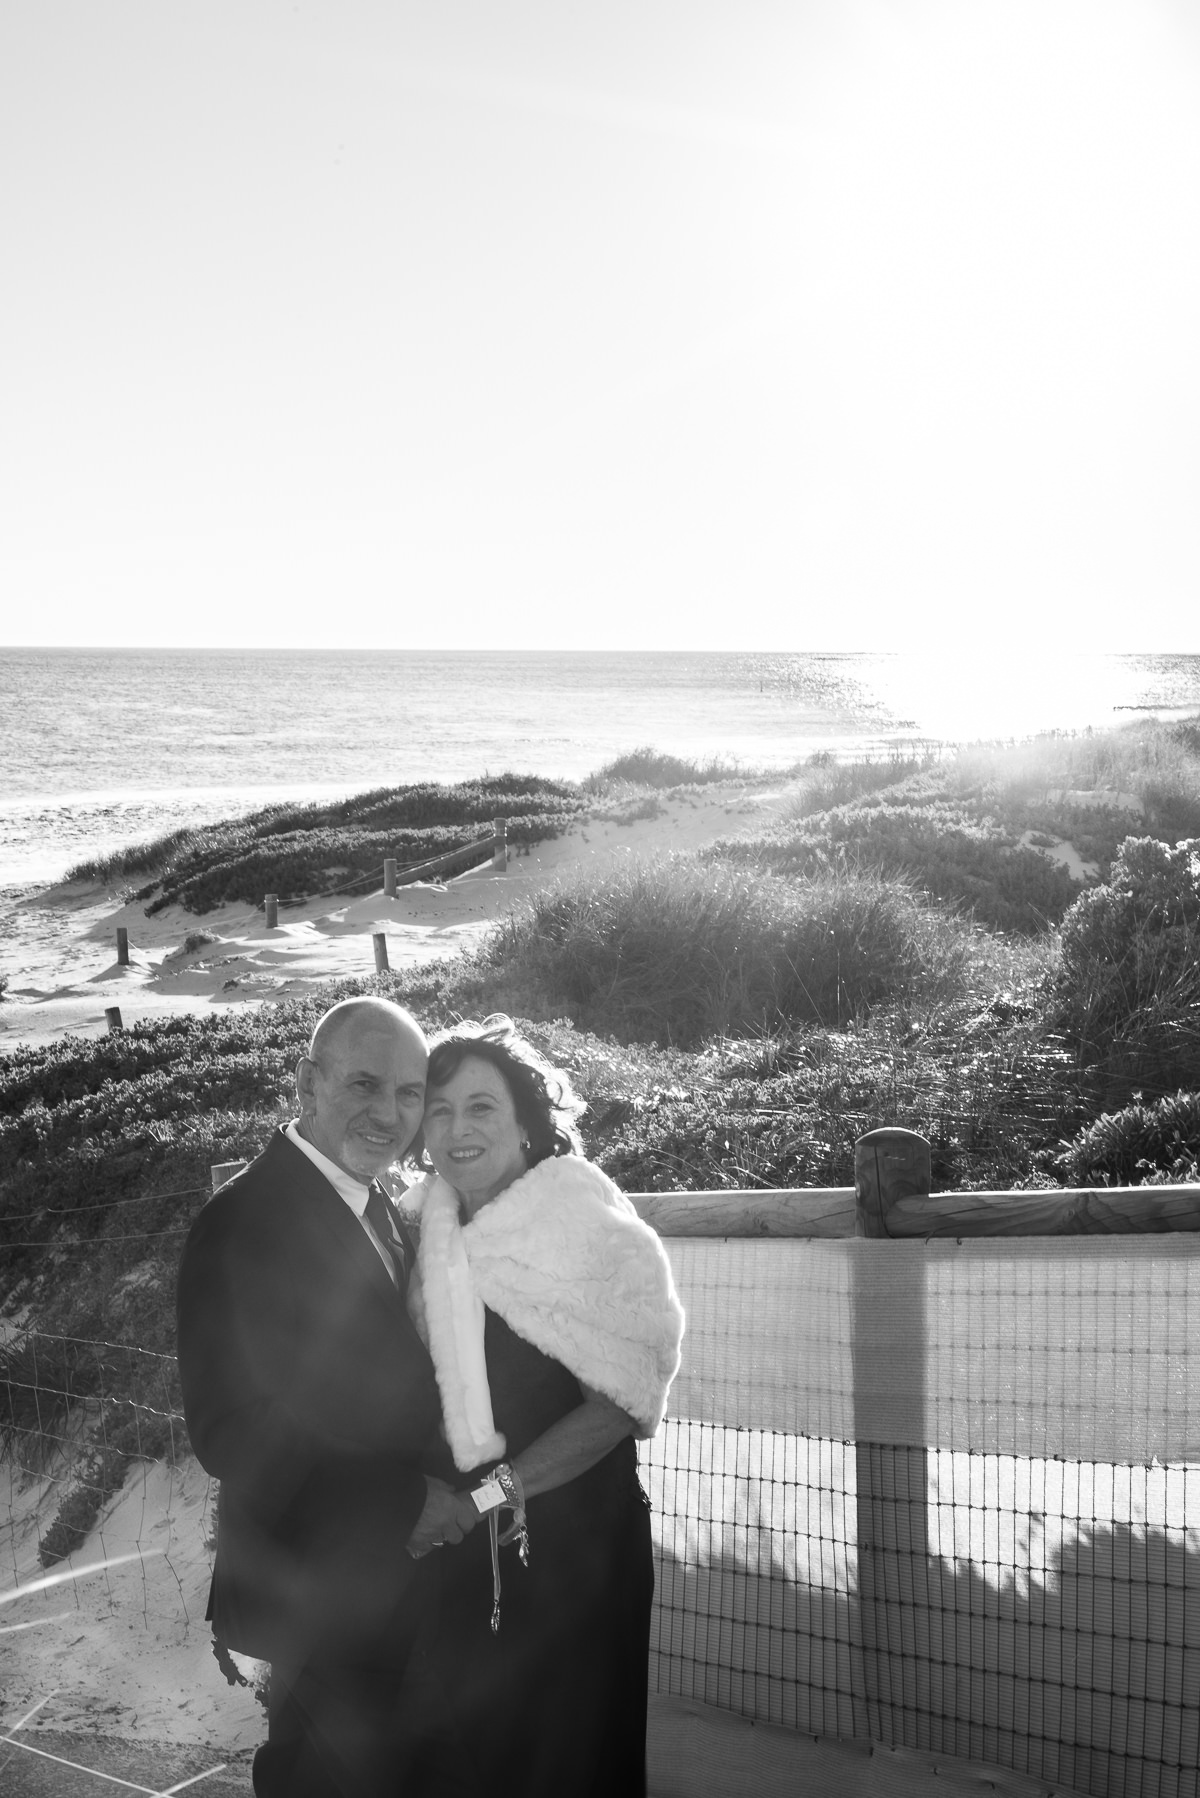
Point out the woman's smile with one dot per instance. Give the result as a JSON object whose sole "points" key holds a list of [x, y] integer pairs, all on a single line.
{"points": [[472, 1133]]}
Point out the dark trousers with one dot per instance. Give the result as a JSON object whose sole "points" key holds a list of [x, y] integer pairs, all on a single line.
{"points": [[374, 1723]]}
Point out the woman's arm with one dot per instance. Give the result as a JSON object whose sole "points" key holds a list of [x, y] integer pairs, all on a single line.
{"points": [[564, 1451], [573, 1444]]}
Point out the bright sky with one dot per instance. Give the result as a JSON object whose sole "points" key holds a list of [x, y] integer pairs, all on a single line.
{"points": [[789, 324]]}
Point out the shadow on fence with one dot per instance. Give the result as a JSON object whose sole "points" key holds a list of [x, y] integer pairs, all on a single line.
{"points": [[1074, 1659]]}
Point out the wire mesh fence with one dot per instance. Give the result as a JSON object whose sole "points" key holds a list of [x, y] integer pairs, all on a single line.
{"points": [[1036, 1614], [940, 1495], [80, 1422]]}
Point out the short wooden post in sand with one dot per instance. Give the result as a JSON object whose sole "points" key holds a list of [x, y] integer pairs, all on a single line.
{"points": [[112, 1017], [500, 845], [122, 946], [222, 1172], [891, 1477], [381, 955], [271, 906], [389, 877]]}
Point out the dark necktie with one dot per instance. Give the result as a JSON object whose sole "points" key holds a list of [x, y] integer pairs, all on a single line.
{"points": [[382, 1220]]}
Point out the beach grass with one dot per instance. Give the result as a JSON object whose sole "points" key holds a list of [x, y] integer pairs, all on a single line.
{"points": [[297, 849], [650, 767], [680, 951]]}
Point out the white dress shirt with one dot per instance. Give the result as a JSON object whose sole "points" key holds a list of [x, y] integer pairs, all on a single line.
{"points": [[348, 1188]]}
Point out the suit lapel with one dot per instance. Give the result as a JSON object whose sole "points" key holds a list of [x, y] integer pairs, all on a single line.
{"points": [[336, 1223]]}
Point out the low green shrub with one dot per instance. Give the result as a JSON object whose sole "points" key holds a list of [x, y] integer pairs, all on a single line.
{"points": [[972, 862], [786, 1110], [180, 1048], [1126, 1147], [1127, 991], [36, 1385], [97, 1474], [1172, 806], [106, 1148], [826, 783]]}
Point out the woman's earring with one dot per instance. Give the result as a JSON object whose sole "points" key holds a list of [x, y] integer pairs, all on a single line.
{"points": [[524, 1142]]}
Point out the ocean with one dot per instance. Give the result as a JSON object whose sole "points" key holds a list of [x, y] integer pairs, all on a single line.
{"points": [[100, 748]]}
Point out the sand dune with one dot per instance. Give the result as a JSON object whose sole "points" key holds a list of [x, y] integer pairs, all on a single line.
{"points": [[60, 944]]}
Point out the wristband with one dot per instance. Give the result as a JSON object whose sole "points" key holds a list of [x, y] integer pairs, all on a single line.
{"points": [[488, 1497]]}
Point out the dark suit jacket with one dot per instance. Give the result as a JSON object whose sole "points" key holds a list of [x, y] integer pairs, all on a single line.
{"points": [[310, 1396]]}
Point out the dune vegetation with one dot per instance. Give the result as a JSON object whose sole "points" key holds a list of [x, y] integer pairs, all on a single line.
{"points": [[296, 850], [999, 947]]}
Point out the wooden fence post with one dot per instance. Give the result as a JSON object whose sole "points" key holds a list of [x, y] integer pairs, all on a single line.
{"points": [[271, 906], [500, 847], [379, 939], [112, 1017], [892, 1480], [389, 877], [889, 1164], [122, 946], [222, 1172]]}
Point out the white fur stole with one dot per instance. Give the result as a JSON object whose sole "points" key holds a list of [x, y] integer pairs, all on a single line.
{"points": [[562, 1256]]}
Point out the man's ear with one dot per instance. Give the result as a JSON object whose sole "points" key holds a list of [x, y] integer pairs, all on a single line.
{"points": [[306, 1076]]}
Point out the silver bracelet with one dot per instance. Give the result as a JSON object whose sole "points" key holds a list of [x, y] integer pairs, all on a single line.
{"points": [[514, 1492]]}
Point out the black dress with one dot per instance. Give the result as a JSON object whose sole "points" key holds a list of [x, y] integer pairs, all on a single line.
{"points": [[554, 1705]]}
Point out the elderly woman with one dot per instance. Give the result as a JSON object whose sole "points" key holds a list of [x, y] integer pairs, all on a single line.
{"points": [[554, 1327]]}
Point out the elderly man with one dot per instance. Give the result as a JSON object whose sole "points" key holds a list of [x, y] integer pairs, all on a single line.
{"points": [[310, 1396]]}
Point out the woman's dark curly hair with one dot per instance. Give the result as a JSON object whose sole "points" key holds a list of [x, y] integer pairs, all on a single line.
{"points": [[542, 1096]]}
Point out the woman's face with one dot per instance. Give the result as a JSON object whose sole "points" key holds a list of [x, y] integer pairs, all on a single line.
{"points": [[472, 1134]]}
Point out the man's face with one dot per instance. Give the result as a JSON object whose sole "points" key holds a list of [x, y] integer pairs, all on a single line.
{"points": [[362, 1101]]}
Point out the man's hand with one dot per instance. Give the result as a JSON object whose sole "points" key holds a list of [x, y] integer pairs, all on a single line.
{"points": [[447, 1516]]}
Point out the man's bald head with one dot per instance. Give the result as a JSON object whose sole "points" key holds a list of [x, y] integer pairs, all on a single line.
{"points": [[366, 1013], [362, 1085]]}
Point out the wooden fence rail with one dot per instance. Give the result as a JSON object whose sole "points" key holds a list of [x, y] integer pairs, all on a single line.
{"points": [[882, 1205], [457, 861]]}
